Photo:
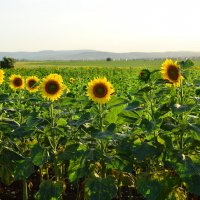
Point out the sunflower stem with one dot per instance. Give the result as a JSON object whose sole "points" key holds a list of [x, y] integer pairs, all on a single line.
{"points": [[20, 104], [102, 144], [53, 143], [25, 190], [100, 117], [181, 93], [181, 141], [152, 114], [52, 138], [52, 115]]}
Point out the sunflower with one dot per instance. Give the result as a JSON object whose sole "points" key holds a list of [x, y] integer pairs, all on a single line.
{"points": [[72, 80], [100, 90], [16, 82], [52, 87], [171, 72], [32, 84], [1, 76]]}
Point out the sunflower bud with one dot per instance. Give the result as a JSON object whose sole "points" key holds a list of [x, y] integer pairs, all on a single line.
{"points": [[144, 75], [197, 92]]}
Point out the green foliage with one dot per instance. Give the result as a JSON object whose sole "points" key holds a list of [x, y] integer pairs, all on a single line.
{"points": [[50, 190], [147, 136], [160, 185], [23, 169], [100, 188], [186, 64]]}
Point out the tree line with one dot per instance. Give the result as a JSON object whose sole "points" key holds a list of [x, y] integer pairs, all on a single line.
{"points": [[7, 63]]}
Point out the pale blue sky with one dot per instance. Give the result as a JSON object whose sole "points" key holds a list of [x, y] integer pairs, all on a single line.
{"points": [[107, 25]]}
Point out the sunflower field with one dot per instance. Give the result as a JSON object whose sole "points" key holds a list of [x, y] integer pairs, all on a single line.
{"points": [[98, 133]]}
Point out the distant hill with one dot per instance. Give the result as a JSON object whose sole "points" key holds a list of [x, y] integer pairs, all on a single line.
{"points": [[95, 55]]}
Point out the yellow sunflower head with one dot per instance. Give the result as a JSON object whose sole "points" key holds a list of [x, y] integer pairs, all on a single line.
{"points": [[170, 71], [1, 76], [32, 84], [52, 87], [100, 90], [16, 82], [72, 80]]}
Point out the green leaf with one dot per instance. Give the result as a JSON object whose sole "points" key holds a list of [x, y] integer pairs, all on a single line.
{"points": [[197, 82], [39, 155], [168, 123], [69, 152], [107, 134], [23, 169], [33, 120], [186, 64], [161, 81], [50, 190], [77, 169], [144, 151], [194, 185], [185, 168], [168, 142], [159, 185], [135, 105], [67, 101], [145, 89], [155, 70], [6, 175], [55, 131], [8, 155], [129, 116], [121, 164], [195, 127], [4, 97], [112, 116], [111, 128], [116, 101], [12, 123], [151, 189], [146, 125], [100, 188], [61, 122], [21, 132], [86, 117]]}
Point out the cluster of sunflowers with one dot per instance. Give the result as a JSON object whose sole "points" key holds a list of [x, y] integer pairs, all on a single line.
{"points": [[52, 86], [98, 90]]}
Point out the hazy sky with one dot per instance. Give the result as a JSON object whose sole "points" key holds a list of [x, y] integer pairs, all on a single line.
{"points": [[107, 25]]}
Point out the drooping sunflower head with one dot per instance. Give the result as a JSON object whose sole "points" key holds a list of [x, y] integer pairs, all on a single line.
{"points": [[16, 82], [1, 76], [170, 71], [52, 87], [144, 75], [100, 90], [32, 84], [72, 80]]}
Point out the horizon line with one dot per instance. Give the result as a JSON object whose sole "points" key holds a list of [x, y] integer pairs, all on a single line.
{"points": [[167, 51]]}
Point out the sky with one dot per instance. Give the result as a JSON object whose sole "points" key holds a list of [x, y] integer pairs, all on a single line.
{"points": [[105, 25]]}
